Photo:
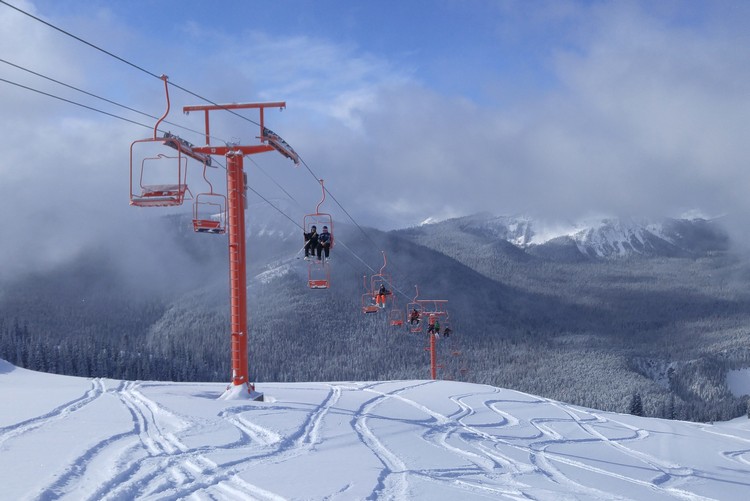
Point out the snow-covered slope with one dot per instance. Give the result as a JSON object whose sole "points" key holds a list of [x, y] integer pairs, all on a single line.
{"points": [[73, 438]]}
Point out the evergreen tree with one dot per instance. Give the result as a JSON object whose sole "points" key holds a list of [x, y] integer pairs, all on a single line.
{"points": [[636, 405], [671, 411]]}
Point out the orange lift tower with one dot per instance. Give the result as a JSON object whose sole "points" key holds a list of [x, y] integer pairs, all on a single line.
{"points": [[236, 205], [433, 310], [145, 192]]}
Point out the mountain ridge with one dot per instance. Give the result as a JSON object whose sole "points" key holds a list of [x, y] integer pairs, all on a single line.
{"points": [[521, 318], [599, 238]]}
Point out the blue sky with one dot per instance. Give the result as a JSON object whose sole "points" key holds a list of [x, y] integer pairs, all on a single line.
{"points": [[408, 109]]}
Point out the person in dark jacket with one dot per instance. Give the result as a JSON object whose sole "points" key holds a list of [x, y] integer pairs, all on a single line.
{"points": [[433, 325], [324, 242], [380, 297], [414, 317], [311, 241]]}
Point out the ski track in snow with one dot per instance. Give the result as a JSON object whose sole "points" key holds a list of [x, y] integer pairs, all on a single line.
{"points": [[392, 483], [493, 464], [741, 456], [498, 451], [262, 446], [58, 413], [663, 473], [150, 441], [192, 474]]}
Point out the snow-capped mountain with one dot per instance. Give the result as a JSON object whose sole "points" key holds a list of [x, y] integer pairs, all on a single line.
{"points": [[670, 237], [599, 237]]}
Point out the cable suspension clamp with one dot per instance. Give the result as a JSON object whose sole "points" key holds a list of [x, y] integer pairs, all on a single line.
{"points": [[179, 144]]}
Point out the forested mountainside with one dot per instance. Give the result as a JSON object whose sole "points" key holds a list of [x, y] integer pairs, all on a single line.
{"points": [[571, 325]]}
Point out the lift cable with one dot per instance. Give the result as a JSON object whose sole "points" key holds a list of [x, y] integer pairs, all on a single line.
{"points": [[272, 205], [123, 60], [317, 179], [174, 85], [266, 200], [79, 39], [76, 103], [367, 236], [339, 241], [91, 108], [274, 182], [99, 97]]}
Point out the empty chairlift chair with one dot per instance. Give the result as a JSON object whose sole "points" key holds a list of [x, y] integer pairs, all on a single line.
{"points": [[210, 210], [210, 213], [158, 179]]}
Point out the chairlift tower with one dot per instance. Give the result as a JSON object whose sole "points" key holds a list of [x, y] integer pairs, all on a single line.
{"points": [[235, 222], [146, 193], [432, 310]]}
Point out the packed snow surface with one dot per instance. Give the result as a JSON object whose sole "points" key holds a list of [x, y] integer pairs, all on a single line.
{"points": [[75, 438]]}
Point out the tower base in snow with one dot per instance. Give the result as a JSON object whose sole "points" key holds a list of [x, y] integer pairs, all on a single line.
{"points": [[241, 392]]}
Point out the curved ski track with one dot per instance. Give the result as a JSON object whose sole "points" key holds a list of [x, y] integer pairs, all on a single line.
{"points": [[499, 451]]}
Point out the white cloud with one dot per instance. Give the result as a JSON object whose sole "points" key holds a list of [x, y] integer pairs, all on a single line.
{"points": [[647, 121], [318, 76], [637, 113]]}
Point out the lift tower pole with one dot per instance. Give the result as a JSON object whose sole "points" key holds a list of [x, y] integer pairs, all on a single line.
{"points": [[433, 357], [236, 206], [237, 267]]}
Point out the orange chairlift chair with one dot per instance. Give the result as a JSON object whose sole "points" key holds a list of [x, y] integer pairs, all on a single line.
{"points": [[414, 313], [368, 299], [318, 275], [318, 272], [381, 279], [210, 210], [456, 360], [158, 179], [396, 316], [319, 219]]}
